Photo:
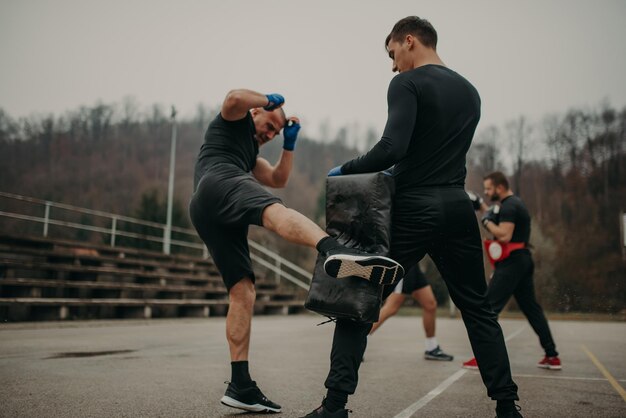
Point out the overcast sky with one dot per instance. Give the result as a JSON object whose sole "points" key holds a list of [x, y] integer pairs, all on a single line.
{"points": [[326, 57]]}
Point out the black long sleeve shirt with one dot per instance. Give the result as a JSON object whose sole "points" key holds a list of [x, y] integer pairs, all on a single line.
{"points": [[432, 116]]}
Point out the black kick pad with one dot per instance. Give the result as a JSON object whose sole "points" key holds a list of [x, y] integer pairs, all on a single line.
{"points": [[358, 215]]}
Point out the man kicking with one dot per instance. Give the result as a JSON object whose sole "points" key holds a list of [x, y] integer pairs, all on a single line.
{"points": [[415, 284], [229, 196]]}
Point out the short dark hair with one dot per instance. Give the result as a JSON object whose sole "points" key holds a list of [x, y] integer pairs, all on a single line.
{"points": [[498, 179], [413, 25]]}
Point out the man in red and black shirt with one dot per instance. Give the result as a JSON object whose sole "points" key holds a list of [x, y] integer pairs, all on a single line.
{"points": [[513, 275]]}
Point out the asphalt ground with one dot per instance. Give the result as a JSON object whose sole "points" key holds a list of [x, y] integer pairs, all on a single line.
{"points": [[176, 368]]}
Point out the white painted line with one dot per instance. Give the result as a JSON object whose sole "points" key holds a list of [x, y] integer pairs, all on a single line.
{"points": [[539, 376], [431, 395], [408, 412], [515, 334]]}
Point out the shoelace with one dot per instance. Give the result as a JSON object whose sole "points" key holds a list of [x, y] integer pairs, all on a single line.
{"points": [[330, 319], [256, 389], [258, 392]]}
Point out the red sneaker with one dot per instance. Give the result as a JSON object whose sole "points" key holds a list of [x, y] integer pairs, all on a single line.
{"points": [[550, 363], [471, 364]]}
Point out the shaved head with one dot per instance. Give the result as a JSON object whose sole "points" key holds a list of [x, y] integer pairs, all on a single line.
{"points": [[268, 124], [281, 112]]}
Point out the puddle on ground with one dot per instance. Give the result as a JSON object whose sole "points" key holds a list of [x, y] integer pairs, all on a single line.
{"points": [[80, 354]]}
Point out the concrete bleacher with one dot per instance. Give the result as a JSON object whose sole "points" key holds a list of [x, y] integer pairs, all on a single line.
{"points": [[54, 279]]}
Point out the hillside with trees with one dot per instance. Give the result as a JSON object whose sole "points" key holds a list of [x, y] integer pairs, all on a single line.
{"points": [[569, 168]]}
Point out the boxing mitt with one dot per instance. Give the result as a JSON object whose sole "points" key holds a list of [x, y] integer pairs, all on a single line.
{"points": [[477, 201], [491, 215]]}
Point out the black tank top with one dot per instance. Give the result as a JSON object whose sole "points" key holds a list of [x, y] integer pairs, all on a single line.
{"points": [[230, 142]]}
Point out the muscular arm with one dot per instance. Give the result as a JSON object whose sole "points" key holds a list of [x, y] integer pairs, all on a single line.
{"points": [[274, 176], [503, 232], [401, 117], [238, 102]]}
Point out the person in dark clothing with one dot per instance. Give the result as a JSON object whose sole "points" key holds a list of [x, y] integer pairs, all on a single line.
{"points": [[229, 196], [513, 275], [432, 114]]}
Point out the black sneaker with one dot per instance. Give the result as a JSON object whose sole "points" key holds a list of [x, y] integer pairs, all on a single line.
{"points": [[437, 354], [345, 262], [322, 412], [248, 399], [513, 413]]}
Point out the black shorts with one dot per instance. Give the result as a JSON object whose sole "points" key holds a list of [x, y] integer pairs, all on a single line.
{"points": [[226, 201], [412, 281]]}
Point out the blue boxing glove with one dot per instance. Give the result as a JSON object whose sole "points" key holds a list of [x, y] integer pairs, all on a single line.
{"points": [[335, 172], [290, 135], [274, 101]]}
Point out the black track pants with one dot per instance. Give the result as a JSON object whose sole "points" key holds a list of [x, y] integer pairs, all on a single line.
{"points": [[442, 223], [514, 277]]}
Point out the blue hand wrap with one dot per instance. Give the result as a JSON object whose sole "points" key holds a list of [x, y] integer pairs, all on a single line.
{"points": [[274, 101], [290, 135]]}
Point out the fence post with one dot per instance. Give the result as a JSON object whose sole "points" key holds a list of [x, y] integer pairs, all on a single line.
{"points": [[113, 230], [167, 232], [278, 270], [46, 219], [622, 227]]}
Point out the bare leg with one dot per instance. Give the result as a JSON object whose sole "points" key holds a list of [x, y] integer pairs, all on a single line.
{"points": [[292, 225], [390, 308], [427, 301], [239, 318]]}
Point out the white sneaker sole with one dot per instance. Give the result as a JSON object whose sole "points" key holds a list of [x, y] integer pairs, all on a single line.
{"points": [[547, 367], [233, 403], [376, 269]]}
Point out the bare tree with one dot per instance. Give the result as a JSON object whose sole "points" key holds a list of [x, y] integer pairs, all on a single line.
{"points": [[518, 132], [341, 137], [325, 130], [371, 137], [484, 153], [100, 121], [9, 129], [203, 116], [130, 114]]}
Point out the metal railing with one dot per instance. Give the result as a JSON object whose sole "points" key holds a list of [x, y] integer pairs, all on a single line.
{"points": [[283, 268]]}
